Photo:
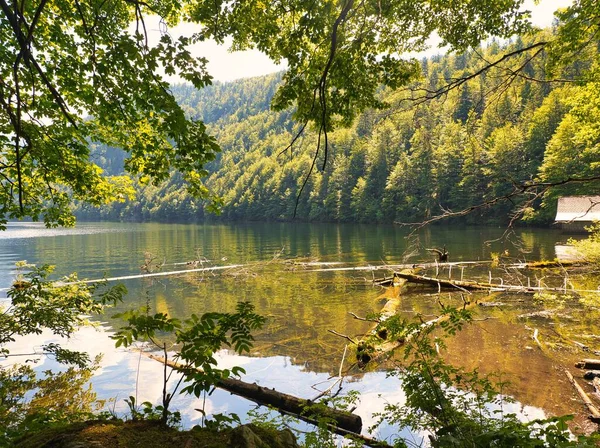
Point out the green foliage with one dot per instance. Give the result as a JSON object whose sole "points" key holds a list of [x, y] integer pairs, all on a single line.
{"points": [[589, 248], [335, 63], [76, 74], [147, 411], [462, 409], [219, 422], [574, 149], [404, 164], [29, 403], [197, 339], [38, 304]]}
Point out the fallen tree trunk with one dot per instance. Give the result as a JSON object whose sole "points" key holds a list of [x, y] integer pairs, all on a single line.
{"points": [[544, 264], [378, 342], [305, 410], [466, 285], [365, 347], [442, 283], [595, 414], [389, 346], [393, 295]]}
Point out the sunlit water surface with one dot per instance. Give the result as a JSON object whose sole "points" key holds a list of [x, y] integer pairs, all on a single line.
{"points": [[283, 276]]}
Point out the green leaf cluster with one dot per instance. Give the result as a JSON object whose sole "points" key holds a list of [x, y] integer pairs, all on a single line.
{"points": [[36, 304], [196, 339], [29, 403]]}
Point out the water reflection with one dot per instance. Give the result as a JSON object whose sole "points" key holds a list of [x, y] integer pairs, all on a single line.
{"points": [[294, 350]]}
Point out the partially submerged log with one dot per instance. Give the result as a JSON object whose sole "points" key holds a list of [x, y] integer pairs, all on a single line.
{"points": [[595, 413], [377, 343], [466, 285], [593, 364], [591, 374], [377, 353], [447, 283], [546, 264], [365, 347], [393, 295], [388, 267], [305, 410]]}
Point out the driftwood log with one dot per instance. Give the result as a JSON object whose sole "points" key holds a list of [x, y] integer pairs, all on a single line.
{"points": [[445, 283], [305, 410], [466, 285], [544, 264], [594, 412], [593, 364], [591, 374]]}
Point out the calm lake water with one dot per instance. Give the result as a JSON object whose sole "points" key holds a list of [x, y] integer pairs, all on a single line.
{"points": [[291, 273]]}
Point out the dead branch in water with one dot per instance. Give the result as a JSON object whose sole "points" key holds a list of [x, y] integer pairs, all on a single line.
{"points": [[343, 336], [536, 339], [595, 414], [543, 264]]}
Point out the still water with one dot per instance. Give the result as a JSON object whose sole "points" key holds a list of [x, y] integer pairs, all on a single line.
{"points": [[291, 273]]}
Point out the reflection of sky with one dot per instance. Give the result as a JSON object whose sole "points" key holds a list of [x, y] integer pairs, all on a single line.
{"points": [[297, 320], [20, 230], [116, 378]]}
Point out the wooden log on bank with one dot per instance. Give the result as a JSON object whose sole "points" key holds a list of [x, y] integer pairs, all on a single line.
{"points": [[305, 410], [595, 413]]}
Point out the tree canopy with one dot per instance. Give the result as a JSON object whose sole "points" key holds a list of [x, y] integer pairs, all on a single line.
{"points": [[75, 72], [482, 142]]}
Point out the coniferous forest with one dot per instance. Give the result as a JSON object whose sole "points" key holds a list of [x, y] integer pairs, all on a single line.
{"points": [[444, 144]]}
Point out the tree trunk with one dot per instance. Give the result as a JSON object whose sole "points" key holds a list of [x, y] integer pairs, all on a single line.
{"points": [[306, 410]]}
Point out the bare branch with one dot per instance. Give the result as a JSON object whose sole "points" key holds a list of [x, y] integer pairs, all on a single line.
{"points": [[535, 189]]}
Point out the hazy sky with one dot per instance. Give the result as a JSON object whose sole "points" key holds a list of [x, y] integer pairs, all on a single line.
{"points": [[226, 66]]}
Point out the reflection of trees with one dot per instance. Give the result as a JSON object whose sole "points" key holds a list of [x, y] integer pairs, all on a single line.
{"points": [[499, 341], [301, 306]]}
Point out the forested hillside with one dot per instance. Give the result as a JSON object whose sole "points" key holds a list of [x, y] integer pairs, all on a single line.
{"points": [[416, 159]]}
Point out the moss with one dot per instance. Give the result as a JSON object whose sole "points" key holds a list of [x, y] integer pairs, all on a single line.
{"points": [[107, 434]]}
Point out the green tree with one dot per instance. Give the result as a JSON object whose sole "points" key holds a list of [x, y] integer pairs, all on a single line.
{"points": [[75, 73], [573, 151]]}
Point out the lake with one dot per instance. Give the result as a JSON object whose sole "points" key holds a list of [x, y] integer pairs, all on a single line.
{"points": [[293, 275]]}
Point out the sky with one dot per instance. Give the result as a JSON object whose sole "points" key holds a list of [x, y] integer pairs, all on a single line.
{"points": [[227, 66]]}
